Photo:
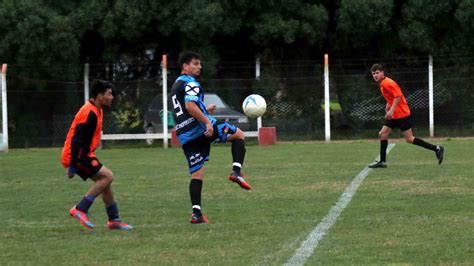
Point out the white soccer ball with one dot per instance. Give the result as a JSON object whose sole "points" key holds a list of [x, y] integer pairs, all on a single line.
{"points": [[254, 106]]}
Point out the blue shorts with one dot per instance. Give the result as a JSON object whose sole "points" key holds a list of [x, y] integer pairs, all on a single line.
{"points": [[197, 150]]}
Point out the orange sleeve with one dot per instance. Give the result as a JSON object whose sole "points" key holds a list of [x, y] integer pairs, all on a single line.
{"points": [[394, 89]]}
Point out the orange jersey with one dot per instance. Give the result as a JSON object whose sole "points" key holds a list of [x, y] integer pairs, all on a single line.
{"points": [[390, 90], [83, 136]]}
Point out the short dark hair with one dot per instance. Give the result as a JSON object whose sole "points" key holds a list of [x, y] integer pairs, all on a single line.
{"points": [[100, 87], [186, 57], [376, 67]]}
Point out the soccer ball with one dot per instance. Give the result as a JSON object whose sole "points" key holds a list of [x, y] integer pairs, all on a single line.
{"points": [[254, 106]]}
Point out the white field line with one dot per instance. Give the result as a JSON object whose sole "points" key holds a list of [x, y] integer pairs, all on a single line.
{"points": [[311, 242]]}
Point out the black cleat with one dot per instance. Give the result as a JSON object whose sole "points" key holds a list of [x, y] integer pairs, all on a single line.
{"points": [[440, 154], [378, 164]]}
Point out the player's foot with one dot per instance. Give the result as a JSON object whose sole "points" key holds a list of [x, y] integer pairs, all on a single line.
{"points": [[196, 219], [81, 217], [440, 154], [378, 164], [239, 179], [118, 225]]}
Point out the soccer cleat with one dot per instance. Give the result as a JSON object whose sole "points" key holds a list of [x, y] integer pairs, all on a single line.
{"points": [[239, 179], [195, 219], [440, 154], [81, 217], [378, 164], [118, 225]]}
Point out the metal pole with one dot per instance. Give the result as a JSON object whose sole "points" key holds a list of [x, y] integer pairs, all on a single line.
{"points": [[86, 82], [430, 93], [257, 76], [4, 108], [327, 122], [165, 101]]}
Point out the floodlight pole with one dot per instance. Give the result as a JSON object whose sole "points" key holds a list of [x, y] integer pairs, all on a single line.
{"points": [[4, 108], [165, 101]]}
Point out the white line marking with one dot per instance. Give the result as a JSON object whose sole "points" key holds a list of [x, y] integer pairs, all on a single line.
{"points": [[309, 245]]}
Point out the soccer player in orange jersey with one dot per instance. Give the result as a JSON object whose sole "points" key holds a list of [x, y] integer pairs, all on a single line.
{"points": [[397, 114], [79, 158]]}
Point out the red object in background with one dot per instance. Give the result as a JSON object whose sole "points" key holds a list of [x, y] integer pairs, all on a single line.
{"points": [[267, 136], [174, 139]]}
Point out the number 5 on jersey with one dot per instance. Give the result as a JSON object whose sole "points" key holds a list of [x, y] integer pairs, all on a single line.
{"points": [[177, 106]]}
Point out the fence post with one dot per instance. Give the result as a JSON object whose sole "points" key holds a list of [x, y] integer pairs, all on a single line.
{"points": [[86, 82], [4, 108], [257, 76], [327, 122], [430, 93], [165, 101]]}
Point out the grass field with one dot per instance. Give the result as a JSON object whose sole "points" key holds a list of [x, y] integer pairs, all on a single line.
{"points": [[413, 212]]}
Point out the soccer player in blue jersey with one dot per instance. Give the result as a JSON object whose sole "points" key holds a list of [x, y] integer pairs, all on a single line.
{"points": [[197, 129]]}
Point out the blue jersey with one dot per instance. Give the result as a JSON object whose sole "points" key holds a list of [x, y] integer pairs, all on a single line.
{"points": [[187, 89]]}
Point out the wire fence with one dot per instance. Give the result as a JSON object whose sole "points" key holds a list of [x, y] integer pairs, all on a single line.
{"points": [[40, 110]]}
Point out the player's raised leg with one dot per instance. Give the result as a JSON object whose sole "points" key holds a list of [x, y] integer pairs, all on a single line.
{"points": [[438, 149], [238, 156]]}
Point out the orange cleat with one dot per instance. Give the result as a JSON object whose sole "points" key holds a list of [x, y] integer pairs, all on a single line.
{"points": [[118, 225], [239, 179], [81, 217], [199, 219]]}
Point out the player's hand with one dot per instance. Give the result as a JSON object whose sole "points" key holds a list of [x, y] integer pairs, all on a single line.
{"points": [[71, 171], [211, 108], [389, 114], [209, 130]]}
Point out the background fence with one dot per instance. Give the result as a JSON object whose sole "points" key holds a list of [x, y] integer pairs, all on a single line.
{"points": [[41, 110]]}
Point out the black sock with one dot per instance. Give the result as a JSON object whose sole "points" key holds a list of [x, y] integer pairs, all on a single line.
{"points": [[424, 144], [112, 211], [85, 203], [383, 150], [195, 188], [238, 155]]}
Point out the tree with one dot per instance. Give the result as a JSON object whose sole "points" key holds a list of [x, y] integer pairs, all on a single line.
{"points": [[429, 26], [362, 24]]}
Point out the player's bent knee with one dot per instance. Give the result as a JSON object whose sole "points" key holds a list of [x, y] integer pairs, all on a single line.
{"points": [[106, 175], [110, 178], [240, 134]]}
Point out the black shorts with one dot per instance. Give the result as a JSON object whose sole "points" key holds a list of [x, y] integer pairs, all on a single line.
{"points": [[197, 150], [88, 167], [402, 123]]}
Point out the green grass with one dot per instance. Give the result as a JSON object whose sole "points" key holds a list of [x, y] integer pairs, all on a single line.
{"points": [[332, 106], [413, 212]]}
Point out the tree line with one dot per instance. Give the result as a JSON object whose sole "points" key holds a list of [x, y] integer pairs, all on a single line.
{"points": [[46, 42], [56, 37]]}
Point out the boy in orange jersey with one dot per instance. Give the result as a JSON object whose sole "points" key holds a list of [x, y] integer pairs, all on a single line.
{"points": [[397, 114], [79, 158]]}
